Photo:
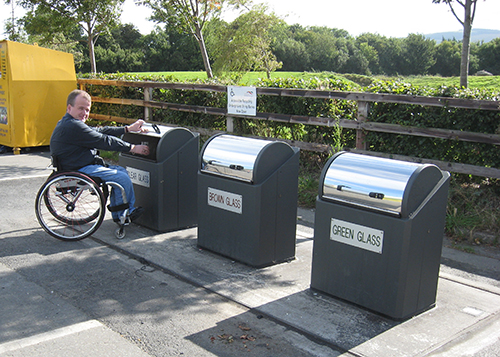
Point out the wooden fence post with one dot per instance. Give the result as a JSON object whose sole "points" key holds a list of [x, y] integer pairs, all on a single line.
{"points": [[148, 95], [229, 124], [363, 108]]}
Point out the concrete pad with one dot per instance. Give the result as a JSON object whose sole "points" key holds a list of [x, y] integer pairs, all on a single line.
{"points": [[282, 292]]}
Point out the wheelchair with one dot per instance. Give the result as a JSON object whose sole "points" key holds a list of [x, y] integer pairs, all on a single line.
{"points": [[70, 205]]}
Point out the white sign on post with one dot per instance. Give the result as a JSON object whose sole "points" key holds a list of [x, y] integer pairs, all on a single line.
{"points": [[241, 100]]}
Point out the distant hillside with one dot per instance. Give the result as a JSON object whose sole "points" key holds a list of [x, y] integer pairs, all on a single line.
{"points": [[477, 35]]}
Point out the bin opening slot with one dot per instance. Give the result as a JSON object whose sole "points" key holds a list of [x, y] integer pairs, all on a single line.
{"points": [[141, 139]]}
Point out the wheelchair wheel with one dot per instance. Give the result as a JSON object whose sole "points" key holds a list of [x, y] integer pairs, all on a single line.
{"points": [[70, 206]]}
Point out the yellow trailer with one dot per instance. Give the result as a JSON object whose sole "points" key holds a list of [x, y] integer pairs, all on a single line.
{"points": [[34, 85]]}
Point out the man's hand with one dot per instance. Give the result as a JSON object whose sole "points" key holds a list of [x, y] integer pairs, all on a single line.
{"points": [[140, 149], [137, 127]]}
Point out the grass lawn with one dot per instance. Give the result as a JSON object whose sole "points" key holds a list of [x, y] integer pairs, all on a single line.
{"points": [[479, 82], [247, 79]]}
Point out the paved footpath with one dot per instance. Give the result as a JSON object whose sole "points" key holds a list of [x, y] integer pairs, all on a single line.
{"points": [[465, 321]]}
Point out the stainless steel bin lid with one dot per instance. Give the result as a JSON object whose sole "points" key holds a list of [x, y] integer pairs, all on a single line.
{"points": [[386, 185], [244, 159]]}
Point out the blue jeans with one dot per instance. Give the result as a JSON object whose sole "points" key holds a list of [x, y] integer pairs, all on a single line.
{"points": [[119, 175]]}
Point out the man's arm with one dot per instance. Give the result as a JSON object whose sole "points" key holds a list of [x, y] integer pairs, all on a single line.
{"points": [[113, 132]]}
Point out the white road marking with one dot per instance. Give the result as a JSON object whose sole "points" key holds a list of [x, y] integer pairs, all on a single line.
{"points": [[47, 336]]}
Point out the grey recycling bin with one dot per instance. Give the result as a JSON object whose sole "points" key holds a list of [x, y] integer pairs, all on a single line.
{"points": [[165, 180], [378, 233], [247, 199]]}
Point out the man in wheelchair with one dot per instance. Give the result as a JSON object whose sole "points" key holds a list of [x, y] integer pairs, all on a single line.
{"points": [[75, 146]]}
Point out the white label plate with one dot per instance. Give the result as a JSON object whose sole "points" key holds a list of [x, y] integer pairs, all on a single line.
{"points": [[225, 200], [357, 236], [139, 177]]}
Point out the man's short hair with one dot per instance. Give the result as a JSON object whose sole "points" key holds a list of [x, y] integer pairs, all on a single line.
{"points": [[74, 94]]}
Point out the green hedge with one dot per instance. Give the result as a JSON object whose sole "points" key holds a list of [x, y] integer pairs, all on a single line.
{"points": [[481, 121]]}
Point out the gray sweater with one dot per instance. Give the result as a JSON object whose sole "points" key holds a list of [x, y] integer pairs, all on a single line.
{"points": [[75, 143]]}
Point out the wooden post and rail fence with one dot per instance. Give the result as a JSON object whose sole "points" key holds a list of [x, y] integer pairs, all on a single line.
{"points": [[361, 124]]}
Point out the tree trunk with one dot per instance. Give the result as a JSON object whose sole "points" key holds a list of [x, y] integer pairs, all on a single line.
{"points": [[204, 54], [90, 44], [464, 64]]}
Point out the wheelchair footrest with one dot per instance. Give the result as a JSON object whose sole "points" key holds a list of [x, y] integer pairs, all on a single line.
{"points": [[121, 207]]}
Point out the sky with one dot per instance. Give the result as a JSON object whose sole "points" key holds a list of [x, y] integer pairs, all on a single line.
{"points": [[390, 18]]}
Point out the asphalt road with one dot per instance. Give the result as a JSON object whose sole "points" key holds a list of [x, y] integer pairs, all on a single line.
{"points": [[159, 295], [51, 285]]}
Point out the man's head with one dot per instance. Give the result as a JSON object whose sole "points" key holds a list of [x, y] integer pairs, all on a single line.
{"points": [[78, 104]]}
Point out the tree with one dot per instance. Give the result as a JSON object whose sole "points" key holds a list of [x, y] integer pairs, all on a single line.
{"points": [[489, 53], [293, 55], [325, 49], [13, 27], [418, 52], [120, 50], [50, 17], [370, 53], [190, 17], [288, 50], [245, 45], [469, 7], [447, 58], [356, 62]]}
